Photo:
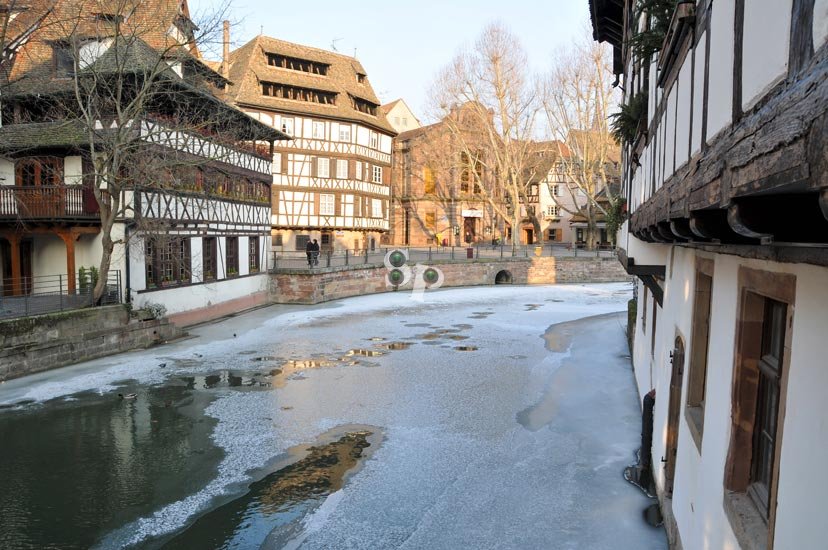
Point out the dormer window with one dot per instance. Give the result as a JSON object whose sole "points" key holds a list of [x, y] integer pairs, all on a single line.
{"points": [[109, 17], [297, 64], [64, 60], [297, 93], [361, 78], [364, 106]]}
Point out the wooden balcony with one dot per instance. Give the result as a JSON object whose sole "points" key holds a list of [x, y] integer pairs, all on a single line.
{"points": [[47, 203]]}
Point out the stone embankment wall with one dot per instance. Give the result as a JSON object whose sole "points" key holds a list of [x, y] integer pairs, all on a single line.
{"points": [[304, 286], [43, 342]]}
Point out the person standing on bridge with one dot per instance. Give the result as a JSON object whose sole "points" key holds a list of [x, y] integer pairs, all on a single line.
{"points": [[309, 253]]}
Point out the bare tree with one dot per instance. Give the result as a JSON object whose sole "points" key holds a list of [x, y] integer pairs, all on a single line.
{"points": [[488, 101], [577, 96]]}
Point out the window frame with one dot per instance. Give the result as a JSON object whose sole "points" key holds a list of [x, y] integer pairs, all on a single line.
{"points": [[345, 133], [317, 130], [699, 349], [253, 263], [209, 258], [376, 174], [231, 257], [327, 204], [323, 167], [753, 526], [342, 169]]}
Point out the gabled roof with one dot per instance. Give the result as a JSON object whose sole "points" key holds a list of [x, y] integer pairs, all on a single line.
{"points": [[249, 68]]}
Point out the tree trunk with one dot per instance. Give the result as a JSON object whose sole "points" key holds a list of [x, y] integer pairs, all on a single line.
{"points": [[106, 259]]}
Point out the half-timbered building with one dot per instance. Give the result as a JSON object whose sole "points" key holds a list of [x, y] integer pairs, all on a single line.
{"points": [[332, 181], [726, 176], [191, 231]]}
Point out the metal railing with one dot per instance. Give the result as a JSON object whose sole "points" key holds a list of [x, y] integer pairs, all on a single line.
{"points": [[340, 258], [45, 201], [50, 293]]}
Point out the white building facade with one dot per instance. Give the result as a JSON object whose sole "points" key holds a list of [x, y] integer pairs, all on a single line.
{"points": [[727, 232]]}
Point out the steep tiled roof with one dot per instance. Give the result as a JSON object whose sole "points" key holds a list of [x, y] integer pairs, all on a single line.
{"points": [[249, 68], [148, 20]]}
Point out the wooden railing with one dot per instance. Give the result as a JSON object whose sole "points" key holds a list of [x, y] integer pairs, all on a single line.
{"points": [[46, 201]]}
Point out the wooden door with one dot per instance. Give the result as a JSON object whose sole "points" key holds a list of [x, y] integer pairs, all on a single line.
{"points": [[469, 229], [25, 267], [671, 449]]}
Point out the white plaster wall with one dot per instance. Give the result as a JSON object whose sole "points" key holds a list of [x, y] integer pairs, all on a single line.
{"points": [[48, 256], [699, 481], [803, 481], [698, 96], [188, 298], [72, 170], [684, 107], [670, 135], [6, 172], [197, 259], [720, 102], [244, 260], [820, 25], [765, 47]]}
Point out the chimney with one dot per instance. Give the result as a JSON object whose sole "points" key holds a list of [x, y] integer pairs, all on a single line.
{"points": [[225, 58]]}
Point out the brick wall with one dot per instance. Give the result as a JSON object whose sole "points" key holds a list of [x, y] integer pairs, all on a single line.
{"points": [[321, 285], [44, 342]]}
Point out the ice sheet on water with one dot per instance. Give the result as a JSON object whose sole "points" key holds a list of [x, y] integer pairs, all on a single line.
{"points": [[439, 409]]}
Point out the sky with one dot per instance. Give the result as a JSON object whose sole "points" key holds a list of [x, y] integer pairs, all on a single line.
{"points": [[403, 45]]}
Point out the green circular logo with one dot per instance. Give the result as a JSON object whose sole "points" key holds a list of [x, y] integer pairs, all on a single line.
{"points": [[396, 277], [431, 276], [396, 258]]}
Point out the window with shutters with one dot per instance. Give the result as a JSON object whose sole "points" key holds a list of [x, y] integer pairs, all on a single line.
{"points": [[344, 133], [555, 190], [208, 258], [429, 186], [318, 130], [377, 174], [323, 167], [253, 254], [763, 334], [232, 256], [342, 169], [376, 208], [327, 204]]}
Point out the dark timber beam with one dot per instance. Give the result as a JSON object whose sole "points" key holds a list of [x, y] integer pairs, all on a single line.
{"points": [[666, 230], [743, 221], [633, 268], [655, 288], [681, 227], [712, 225]]}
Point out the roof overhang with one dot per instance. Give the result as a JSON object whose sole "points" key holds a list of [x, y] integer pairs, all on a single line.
{"points": [[608, 26]]}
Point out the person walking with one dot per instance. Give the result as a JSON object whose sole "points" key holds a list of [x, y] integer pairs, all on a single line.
{"points": [[309, 253], [315, 253]]}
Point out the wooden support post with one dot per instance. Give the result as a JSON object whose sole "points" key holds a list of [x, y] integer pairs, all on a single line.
{"points": [[16, 276], [69, 241]]}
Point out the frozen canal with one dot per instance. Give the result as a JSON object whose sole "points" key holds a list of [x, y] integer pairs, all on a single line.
{"points": [[498, 417]]}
